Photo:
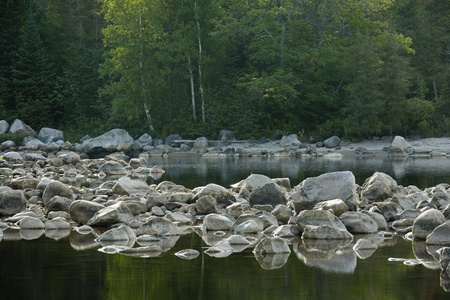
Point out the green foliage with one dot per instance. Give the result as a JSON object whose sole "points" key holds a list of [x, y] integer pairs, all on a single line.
{"points": [[17, 137]]}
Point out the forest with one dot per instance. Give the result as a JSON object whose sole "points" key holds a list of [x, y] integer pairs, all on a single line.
{"points": [[352, 68]]}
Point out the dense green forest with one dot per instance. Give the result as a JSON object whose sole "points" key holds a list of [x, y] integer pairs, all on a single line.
{"points": [[353, 68]]}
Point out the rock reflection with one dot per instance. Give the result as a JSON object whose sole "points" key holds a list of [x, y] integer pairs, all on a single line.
{"points": [[12, 234], [82, 242], [422, 255], [272, 261], [57, 234], [31, 234], [341, 260]]}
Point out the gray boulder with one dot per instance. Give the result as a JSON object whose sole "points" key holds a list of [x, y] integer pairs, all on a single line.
{"points": [[142, 141], [290, 140], [4, 126], [400, 142], [206, 205], [157, 226], [20, 127], [226, 136], [378, 218], [237, 208], [378, 188], [332, 142], [217, 222], [272, 245], [81, 211], [201, 143], [57, 223], [113, 168], [318, 218], [325, 232], [56, 188], [440, 235], [58, 203], [24, 182], [251, 183], [28, 222], [13, 156], [11, 201], [48, 135], [115, 140], [169, 140], [337, 206], [116, 213], [328, 186], [223, 196], [426, 222], [269, 194], [127, 186], [121, 233], [283, 213], [248, 227], [357, 222], [70, 158]]}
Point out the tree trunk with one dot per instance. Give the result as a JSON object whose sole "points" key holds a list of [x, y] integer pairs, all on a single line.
{"points": [[200, 77], [191, 75]]}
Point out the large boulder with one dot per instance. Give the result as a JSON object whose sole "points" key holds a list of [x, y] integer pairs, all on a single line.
{"points": [[328, 186], [440, 235], [206, 205], [48, 135], [400, 142], [325, 232], [201, 143], [251, 183], [11, 201], [127, 186], [56, 188], [58, 203], [290, 140], [269, 194], [115, 140], [113, 168], [337, 206], [19, 126], [332, 142], [357, 222], [157, 226], [318, 218], [226, 136], [116, 213], [426, 222], [4, 126], [223, 196], [378, 188], [81, 211], [217, 222], [142, 141], [28, 222]]}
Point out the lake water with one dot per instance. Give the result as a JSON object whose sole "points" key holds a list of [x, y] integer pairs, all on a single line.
{"points": [[71, 267]]}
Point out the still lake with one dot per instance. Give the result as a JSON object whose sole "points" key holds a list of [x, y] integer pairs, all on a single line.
{"points": [[72, 268]]}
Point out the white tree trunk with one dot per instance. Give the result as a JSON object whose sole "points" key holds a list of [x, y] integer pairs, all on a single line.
{"points": [[200, 77], [191, 75]]}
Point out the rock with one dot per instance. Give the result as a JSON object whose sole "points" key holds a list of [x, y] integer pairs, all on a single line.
{"points": [[378, 218], [440, 235], [13, 156], [223, 196], [127, 186], [6, 145], [157, 226], [122, 233], [337, 206], [34, 156], [187, 254], [440, 199], [169, 140], [81, 211], [31, 223], [325, 232], [115, 140], [357, 222], [251, 183], [116, 213], [216, 222], [24, 182], [444, 257], [226, 136], [142, 141], [56, 188], [290, 140], [4, 126], [57, 224], [318, 218], [283, 213], [286, 231], [238, 208], [271, 245], [48, 135], [70, 158], [113, 168], [206, 205], [58, 203], [11, 201], [332, 142], [20, 127], [201, 143], [328, 186], [178, 218], [248, 227], [426, 222], [270, 193], [400, 142], [180, 197], [364, 248], [378, 188], [220, 250], [388, 210]]}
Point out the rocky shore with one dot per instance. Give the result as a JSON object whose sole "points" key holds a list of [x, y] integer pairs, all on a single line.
{"points": [[96, 191]]}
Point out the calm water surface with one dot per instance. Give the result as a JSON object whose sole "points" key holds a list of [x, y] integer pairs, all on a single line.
{"points": [[33, 267]]}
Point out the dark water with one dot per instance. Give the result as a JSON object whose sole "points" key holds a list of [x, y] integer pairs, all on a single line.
{"points": [[72, 268]]}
